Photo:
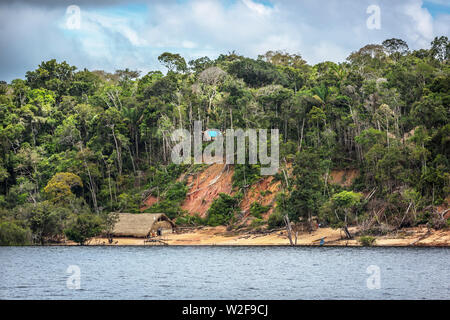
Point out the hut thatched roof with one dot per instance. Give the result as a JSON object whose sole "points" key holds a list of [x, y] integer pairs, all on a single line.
{"points": [[138, 225]]}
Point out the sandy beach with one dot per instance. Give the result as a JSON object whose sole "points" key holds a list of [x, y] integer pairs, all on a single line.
{"points": [[210, 236]]}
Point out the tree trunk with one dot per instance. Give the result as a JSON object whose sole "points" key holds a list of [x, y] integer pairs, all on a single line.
{"points": [[347, 233], [288, 229]]}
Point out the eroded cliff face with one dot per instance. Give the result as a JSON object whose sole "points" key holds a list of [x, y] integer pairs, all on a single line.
{"points": [[205, 187]]}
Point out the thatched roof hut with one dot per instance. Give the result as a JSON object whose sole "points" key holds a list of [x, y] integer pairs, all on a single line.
{"points": [[140, 225]]}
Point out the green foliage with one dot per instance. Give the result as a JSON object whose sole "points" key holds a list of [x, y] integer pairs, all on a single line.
{"points": [[161, 178], [367, 241], [256, 73], [257, 209], [83, 227], [171, 208], [92, 141], [13, 235], [256, 223], [47, 221], [59, 187], [346, 199], [275, 220], [245, 175], [176, 192], [305, 198], [109, 222], [222, 210], [341, 209], [129, 202], [170, 202], [188, 220], [173, 62]]}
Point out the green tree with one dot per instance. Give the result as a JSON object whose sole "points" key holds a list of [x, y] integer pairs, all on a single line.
{"points": [[222, 210], [173, 62], [340, 210], [13, 235], [59, 188], [84, 227], [305, 196]]}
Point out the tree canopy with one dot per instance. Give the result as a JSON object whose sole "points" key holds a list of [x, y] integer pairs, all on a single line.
{"points": [[78, 143]]}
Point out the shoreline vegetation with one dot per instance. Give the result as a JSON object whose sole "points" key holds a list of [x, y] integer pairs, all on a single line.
{"points": [[363, 150]]}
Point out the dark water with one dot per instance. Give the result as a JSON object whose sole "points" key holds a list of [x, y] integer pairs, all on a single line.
{"points": [[224, 273]]}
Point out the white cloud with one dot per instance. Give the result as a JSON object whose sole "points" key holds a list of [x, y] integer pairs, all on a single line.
{"points": [[324, 50], [258, 7], [442, 25], [110, 39], [422, 23], [188, 44]]}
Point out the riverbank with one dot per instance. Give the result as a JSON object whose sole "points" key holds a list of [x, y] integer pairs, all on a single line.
{"points": [[210, 236]]}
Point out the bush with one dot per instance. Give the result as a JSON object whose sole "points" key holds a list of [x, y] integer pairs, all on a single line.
{"points": [[171, 201], [188, 220], [275, 220], [245, 175], [171, 209], [423, 218], [129, 202], [257, 209], [13, 235], [367, 241], [161, 177], [47, 221], [222, 210], [257, 223], [176, 192], [84, 227]]}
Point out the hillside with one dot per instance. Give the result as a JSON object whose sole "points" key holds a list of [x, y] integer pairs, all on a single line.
{"points": [[360, 147]]}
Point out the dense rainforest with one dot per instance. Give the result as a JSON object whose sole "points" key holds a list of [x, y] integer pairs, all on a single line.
{"points": [[79, 144]]}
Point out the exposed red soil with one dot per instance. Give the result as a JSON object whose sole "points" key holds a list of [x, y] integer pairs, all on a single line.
{"points": [[344, 177], [205, 186], [269, 188], [148, 202]]}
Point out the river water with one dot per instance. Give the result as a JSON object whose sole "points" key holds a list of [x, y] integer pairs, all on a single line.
{"points": [[157, 272]]}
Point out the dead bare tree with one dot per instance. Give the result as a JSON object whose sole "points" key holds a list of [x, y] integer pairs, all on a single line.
{"points": [[289, 230]]}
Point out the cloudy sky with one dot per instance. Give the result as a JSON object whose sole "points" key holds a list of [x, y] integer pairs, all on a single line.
{"points": [[117, 34]]}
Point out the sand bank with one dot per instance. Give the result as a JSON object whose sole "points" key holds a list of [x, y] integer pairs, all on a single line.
{"points": [[208, 236]]}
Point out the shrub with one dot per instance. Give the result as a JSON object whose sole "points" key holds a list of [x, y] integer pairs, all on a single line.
{"points": [[161, 177], [176, 192], [171, 201], [423, 218], [246, 175], [84, 227], [129, 202], [257, 223], [188, 220], [367, 241], [13, 235], [222, 210], [257, 209], [275, 220], [47, 221], [171, 208]]}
